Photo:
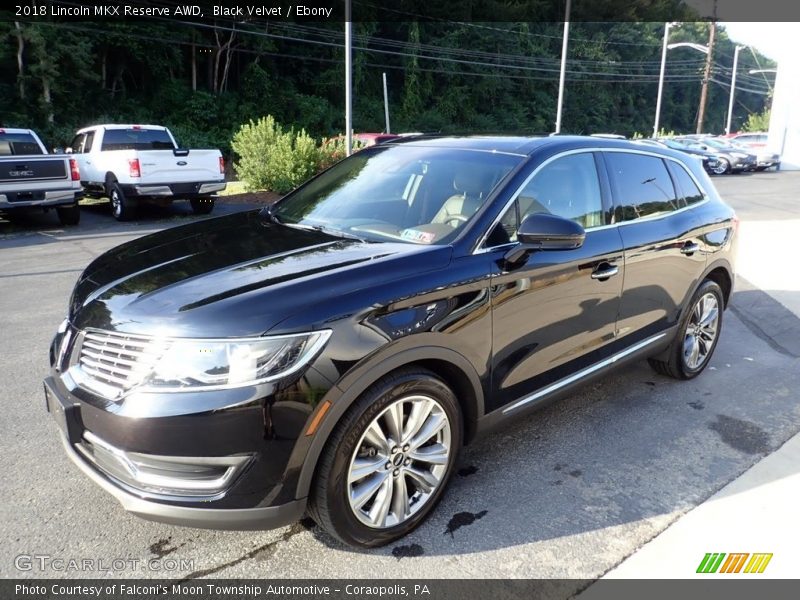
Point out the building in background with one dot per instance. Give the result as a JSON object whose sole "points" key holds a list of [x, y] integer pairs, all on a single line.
{"points": [[784, 124]]}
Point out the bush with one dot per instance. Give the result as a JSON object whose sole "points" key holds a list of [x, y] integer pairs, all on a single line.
{"points": [[271, 158]]}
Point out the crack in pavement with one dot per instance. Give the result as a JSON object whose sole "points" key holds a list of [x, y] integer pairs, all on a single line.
{"points": [[267, 549]]}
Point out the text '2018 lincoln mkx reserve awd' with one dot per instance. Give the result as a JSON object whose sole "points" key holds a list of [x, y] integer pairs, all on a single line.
{"points": [[330, 355]]}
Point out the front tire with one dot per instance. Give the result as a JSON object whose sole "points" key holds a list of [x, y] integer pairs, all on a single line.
{"points": [[389, 460], [69, 215], [202, 206], [697, 336], [122, 208]]}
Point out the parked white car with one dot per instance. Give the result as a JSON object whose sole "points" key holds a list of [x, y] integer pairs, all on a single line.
{"points": [[134, 163], [32, 179]]}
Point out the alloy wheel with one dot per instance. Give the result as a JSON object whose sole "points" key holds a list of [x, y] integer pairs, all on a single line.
{"points": [[399, 462], [116, 203], [701, 332], [721, 168]]}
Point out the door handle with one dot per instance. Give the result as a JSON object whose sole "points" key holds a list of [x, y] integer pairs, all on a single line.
{"points": [[690, 248], [604, 271]]}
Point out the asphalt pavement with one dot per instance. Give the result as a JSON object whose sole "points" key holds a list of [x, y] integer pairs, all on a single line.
{"points": [[569, 492]]}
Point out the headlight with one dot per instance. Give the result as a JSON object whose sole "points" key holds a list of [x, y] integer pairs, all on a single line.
{"points": [[215, 364]]}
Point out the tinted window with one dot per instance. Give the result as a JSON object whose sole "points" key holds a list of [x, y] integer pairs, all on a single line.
{"points": [[689, 192], [136, 139], [420, 195], [18, 144], [642, 185], [77, 143], [87, 144]]}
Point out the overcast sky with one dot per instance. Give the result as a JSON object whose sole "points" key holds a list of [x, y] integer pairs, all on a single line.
{"points": [[775, 40]]}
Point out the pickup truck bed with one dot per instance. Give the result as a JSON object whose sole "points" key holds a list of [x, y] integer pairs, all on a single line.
{"points": [[37, 180]]}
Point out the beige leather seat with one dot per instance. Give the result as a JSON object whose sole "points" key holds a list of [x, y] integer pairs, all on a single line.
{"points": [[470, 185]]}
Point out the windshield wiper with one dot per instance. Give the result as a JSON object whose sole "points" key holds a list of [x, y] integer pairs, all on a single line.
{"points": [[336, 232]]}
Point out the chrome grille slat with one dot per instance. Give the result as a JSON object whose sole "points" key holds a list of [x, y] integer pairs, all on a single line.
{"points": [[132, 353], [122, 341], [108, 358], [105, 377], [117, 361]]}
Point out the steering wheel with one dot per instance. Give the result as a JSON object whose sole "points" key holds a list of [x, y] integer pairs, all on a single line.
{"points": [[457, 219]]}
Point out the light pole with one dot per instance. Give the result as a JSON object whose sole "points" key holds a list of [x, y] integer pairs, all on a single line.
{"points": [[348, 76], [562, 76], [661, 77], [698, 47], [733, 88]]}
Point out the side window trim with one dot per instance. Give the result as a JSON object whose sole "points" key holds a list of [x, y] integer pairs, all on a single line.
{"points": [[605, 196], [605, 178]]}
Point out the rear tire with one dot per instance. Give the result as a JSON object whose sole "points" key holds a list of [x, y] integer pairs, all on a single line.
{"points": [[122, 208], [408, 476], [723, 167], [202, 206], [69, 215], [697, 336]]}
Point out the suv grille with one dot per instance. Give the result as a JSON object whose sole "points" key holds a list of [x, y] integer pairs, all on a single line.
{"points": [[118, 361]]}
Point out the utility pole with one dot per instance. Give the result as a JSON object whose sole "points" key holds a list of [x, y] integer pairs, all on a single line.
{"points": [[701, 111], [348, 76], [562, 76]]}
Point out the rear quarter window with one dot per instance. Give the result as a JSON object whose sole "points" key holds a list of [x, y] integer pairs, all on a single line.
{"points": [[688, 191]]}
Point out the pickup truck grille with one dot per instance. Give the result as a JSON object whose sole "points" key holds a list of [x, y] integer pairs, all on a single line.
{"points": [[117, 361]]}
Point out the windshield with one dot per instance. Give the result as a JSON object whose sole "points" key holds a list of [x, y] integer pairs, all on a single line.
{"points": [[419, 195]]}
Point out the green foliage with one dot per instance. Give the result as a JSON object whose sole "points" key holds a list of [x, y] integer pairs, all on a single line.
{"points": [[453, 75], [271, 158], [757, 121]]}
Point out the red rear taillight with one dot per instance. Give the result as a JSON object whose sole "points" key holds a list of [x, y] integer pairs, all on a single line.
{"points": [[74, 171], [133, 167], [221, 166]]}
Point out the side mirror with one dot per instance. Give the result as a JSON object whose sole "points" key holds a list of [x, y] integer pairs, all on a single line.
{"points": [[543, 231]]}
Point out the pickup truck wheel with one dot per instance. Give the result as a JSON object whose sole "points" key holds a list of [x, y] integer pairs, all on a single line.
{"points": [[202, 206], [69, 215], [122, 208]]}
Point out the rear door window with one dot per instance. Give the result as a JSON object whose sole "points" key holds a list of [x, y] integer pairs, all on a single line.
{"points": [[136, 139], [642, 186]]}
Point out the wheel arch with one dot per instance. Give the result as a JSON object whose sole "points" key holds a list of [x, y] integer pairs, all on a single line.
{"points": [[448, 364]]}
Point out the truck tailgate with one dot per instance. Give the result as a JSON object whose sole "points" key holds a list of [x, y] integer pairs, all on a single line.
{"points": [[30, 169], [162, 166]]}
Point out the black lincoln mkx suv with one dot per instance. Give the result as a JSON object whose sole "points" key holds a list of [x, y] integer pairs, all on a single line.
{"points": [[331, 354]]}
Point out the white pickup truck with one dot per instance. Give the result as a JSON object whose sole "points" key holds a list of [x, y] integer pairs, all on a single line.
{"points": [[32, 179], [134, 163]]}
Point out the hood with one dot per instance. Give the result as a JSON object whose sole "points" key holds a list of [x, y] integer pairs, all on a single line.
{"points": [[230, 276]]}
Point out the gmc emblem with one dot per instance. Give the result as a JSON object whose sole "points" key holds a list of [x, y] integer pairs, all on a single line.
{"points": [[20, 173]]}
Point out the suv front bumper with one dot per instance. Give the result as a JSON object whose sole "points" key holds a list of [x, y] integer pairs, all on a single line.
{"points": [[74, 436]]}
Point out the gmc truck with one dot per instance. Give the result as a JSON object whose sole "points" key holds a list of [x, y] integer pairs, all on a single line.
{"points": [[131, 164], [32, 179]]}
